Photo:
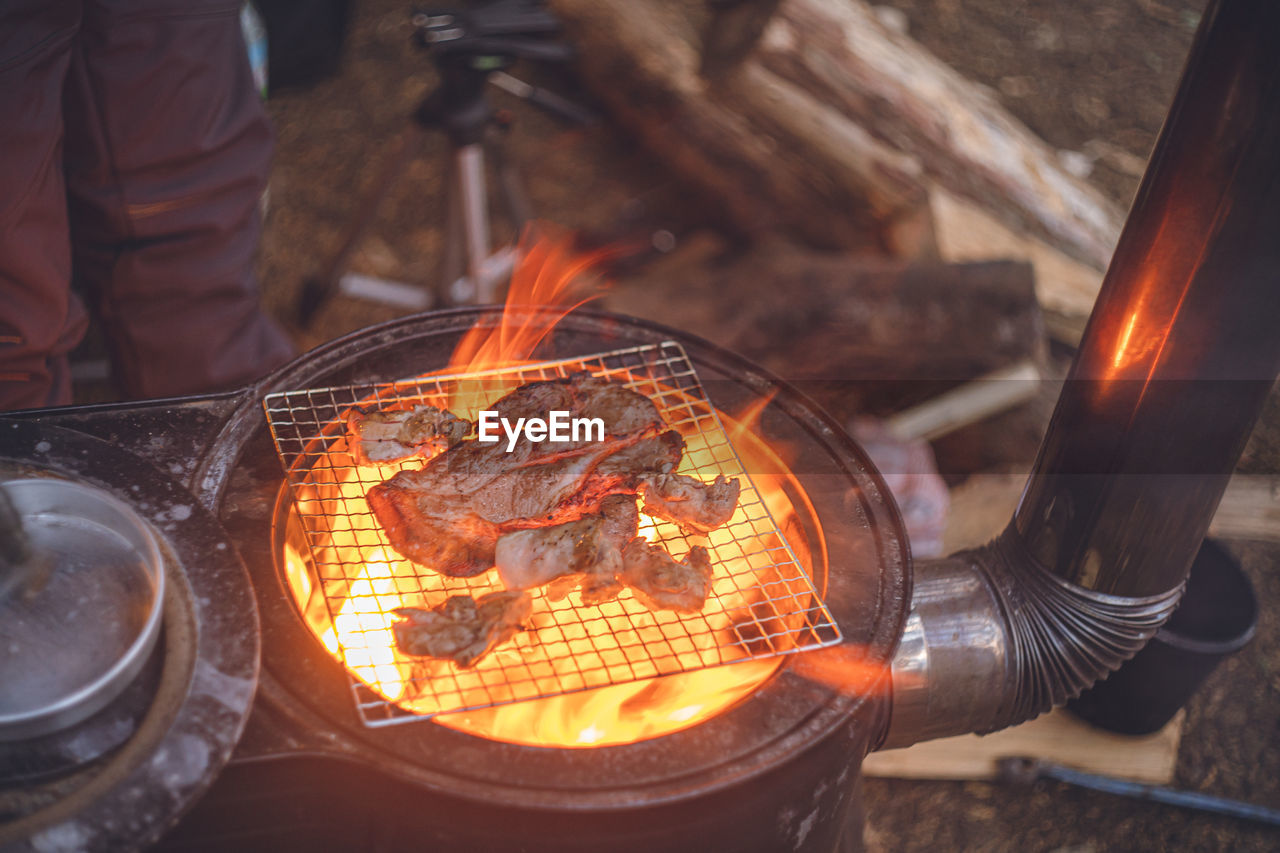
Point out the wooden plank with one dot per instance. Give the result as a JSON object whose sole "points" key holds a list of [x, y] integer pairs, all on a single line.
{"points": [[1250, 509], [966, 404], [1057, 736]]}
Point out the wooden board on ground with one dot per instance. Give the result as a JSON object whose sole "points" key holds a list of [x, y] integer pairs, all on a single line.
{"points": [[1057, 737], [1250, 509]]}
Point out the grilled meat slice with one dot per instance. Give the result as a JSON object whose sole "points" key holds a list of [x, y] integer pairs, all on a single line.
{"points": [[644, 460], [449, 515], [538, 555], [661, 583], [624, 412], [463, 629], [584, 554], [451, 523], [382, 438], [621, 524], [535, 399], [696, 506], [455, 542], [621, 521]]}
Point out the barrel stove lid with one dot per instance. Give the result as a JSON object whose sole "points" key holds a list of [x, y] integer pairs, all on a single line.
{"points": [[209, 646]]}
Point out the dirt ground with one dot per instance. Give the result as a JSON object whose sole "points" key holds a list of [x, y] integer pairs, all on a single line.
{"points": [[1093, 77]]}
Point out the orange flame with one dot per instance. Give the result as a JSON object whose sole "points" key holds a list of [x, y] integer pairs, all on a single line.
{"points": [[360, 633], [748, 420], [550, 275], [553, 281]]}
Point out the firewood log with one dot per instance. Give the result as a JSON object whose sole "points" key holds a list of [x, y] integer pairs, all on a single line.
{"points": [[831, 129]]}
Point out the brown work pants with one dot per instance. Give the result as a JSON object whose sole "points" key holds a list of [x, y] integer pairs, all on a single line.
{"points": [[133, 155]]}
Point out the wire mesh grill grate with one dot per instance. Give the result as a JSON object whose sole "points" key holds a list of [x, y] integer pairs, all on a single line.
{"points": [[762, 602]]}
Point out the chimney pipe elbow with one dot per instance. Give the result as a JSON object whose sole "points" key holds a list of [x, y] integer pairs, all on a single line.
{"points": [[994, 639]]}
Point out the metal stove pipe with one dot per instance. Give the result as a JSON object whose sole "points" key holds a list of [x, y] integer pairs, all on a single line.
{"points": [[1179, 355]]}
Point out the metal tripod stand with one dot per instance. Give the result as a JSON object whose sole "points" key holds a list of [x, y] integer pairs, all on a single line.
{"points": [[467, 48]]}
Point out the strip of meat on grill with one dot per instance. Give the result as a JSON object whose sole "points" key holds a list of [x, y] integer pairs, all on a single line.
{"points": [[384, 438], [463, 629]]}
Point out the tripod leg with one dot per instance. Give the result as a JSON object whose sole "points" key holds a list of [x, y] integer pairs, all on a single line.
{"points": [[453, 264], [519, 210], [469, 164], [317, 289]]}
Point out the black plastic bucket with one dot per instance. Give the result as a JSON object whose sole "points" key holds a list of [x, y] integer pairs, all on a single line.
{"points": [[1217, 617]]}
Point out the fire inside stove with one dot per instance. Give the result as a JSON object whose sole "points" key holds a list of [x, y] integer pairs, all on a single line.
{"points": [[762, 602], [579, 675]]}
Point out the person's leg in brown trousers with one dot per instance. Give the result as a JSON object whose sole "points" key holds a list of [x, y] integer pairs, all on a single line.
{"points": [[39, 320], [165, 152]]}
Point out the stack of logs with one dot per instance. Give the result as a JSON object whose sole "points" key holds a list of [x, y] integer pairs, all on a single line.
{"points": [[812, 119]]}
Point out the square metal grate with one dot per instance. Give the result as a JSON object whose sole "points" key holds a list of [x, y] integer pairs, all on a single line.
{"points": [[762, 602]]}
